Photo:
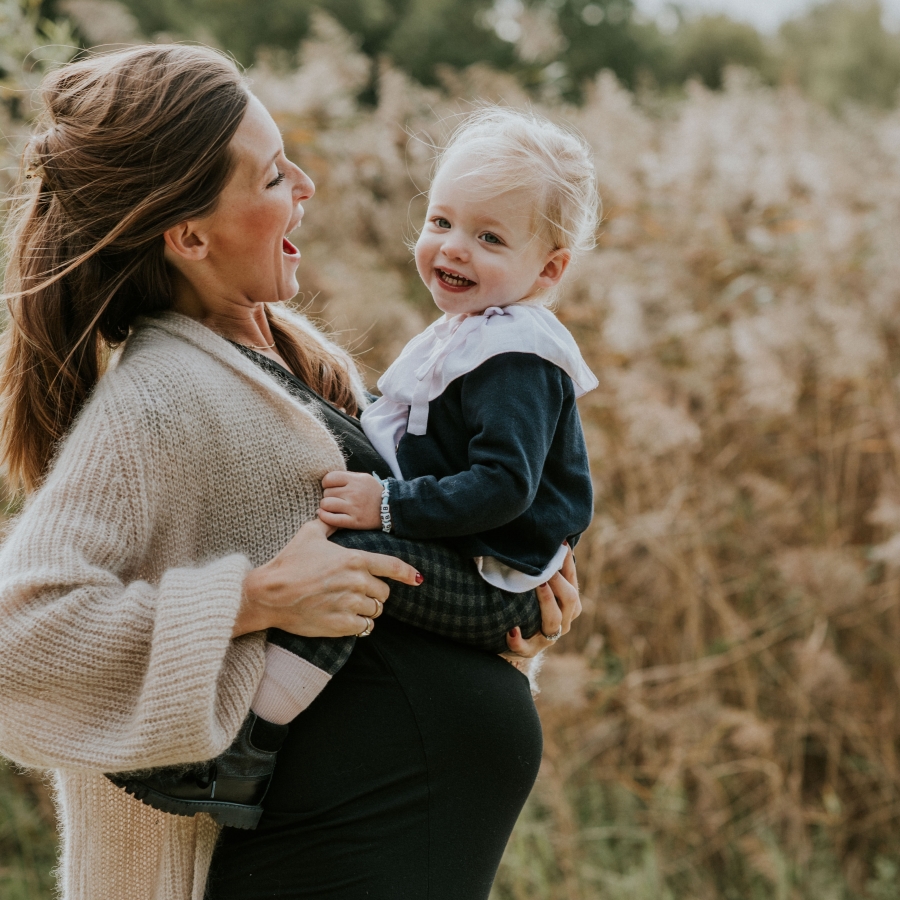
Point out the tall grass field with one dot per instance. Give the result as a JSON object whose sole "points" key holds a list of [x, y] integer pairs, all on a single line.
{"points": [[724, 719]]}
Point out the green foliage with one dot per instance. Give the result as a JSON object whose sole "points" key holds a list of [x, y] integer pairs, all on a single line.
{"points": [[431, 33], [600, 34], [704, 47], [418, 35], [836, 51], [27, 840], [841, 50]]}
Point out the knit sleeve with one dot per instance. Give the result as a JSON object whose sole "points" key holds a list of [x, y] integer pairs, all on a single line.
{"points": [[99, 669]]}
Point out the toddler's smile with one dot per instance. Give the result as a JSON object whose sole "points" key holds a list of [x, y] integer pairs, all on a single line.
{"points": [[478, 248]]}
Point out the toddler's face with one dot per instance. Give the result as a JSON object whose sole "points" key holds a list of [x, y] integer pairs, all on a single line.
{"points": [[476, 252]]}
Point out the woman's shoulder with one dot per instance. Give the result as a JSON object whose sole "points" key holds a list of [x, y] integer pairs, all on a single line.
{"points": [[172, 360], [159, 382]]}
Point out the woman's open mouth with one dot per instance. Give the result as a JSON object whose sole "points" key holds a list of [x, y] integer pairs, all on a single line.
{"points": [[451, 280], [288, 248]]}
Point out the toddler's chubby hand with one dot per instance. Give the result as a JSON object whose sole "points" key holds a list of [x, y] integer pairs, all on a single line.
{"points": [[352, 500]]}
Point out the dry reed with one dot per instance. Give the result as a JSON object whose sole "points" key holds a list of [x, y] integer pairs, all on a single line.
{"points": [[724, 719]]}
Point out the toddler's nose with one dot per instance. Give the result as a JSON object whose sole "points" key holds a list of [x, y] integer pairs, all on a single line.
{"points": [[454, 248]]}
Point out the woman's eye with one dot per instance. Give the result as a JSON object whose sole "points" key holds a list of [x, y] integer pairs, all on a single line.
{"points": [[276, 181], [441, 222], [489, 238]]}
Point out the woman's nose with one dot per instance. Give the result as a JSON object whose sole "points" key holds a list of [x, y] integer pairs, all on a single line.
{"points": [[303, 185]]}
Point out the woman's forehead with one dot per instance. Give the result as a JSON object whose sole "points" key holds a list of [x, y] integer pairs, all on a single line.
{"points": [[257, 140]]}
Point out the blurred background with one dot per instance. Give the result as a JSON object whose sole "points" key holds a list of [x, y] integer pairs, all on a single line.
{"points": [[723, 722]]}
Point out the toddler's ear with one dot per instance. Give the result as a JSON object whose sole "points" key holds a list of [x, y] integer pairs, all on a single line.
{"points": [[554, 268]]}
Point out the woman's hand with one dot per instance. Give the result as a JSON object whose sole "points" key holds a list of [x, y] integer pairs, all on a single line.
{"points": [[351, 500], [560, 605], [318, 589]]}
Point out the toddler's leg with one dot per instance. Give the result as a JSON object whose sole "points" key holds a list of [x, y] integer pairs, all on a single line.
{"points": [[454, 600], [297, 668], [232, 786]]}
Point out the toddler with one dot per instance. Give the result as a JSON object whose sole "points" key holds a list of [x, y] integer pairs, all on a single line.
{"points": [[477, 418], [478, 438]]}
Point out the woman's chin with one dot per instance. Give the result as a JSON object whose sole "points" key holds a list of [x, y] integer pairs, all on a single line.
{"points": [[291, 289]]}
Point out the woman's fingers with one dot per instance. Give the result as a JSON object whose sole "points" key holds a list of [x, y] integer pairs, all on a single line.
{"points": [[568, 569], [564, 585], [519, 646], [317, 588], [382, 566], [551, 615], [560, 604]]}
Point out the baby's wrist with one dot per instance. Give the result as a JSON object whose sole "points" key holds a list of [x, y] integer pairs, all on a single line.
{"points": [[384, 507]]}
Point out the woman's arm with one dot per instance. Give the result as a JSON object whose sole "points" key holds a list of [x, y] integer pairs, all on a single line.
{"points": [[318, 589], [101, 669]]}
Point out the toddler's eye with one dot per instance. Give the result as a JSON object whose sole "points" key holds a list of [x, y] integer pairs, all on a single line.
{"points": [[276, 181], [441, 222], [489, 238]]}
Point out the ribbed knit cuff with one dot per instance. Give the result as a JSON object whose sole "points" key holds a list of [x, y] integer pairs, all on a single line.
{"points": [[289, 684]]}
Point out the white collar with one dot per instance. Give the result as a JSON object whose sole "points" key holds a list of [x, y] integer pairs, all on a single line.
{"points": [[454, 346]]}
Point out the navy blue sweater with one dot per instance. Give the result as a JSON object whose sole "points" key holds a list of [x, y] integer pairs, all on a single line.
{"points": [[503, 468]]}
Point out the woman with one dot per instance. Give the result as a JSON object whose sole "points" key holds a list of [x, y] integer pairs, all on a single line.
{"points": [[171, 520]]}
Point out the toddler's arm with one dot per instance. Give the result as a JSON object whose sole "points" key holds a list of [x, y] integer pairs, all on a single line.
{"points": [[510, 407]]}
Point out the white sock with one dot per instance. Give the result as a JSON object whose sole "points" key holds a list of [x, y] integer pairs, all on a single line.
{"points": [[289, 684]]}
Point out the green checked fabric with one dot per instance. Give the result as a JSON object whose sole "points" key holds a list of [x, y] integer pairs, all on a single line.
{"points": [[454, 602]]}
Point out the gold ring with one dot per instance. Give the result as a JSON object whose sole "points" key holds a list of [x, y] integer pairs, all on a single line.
{"points": [[379, 606], [370, 624]]}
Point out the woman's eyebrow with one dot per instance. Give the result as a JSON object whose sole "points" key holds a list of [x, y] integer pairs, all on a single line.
{"points": [[275, 156]]}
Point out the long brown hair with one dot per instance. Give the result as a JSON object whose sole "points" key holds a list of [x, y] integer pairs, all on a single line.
{"points": [[129, 144]]}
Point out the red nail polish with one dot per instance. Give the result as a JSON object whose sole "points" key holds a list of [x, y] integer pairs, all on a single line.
{"points": [[544, 584], [512, 632], [419, 577]]}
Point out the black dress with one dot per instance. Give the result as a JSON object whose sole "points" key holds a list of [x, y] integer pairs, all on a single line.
{"points": [[402, 781]]}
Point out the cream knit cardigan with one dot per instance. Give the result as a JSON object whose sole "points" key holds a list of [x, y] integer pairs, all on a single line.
{"points": [[119, 585]]}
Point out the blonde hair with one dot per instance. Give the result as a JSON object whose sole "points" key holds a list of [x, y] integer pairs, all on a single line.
{"points": [[510, 150], [129, 144]]}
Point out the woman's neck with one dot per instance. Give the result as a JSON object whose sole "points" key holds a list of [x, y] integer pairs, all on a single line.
{"points": [[233, 319]]}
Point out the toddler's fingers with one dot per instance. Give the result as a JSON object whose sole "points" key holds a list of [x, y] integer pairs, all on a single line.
{"points": [[335, 479], [335, 520], [335, 505]]}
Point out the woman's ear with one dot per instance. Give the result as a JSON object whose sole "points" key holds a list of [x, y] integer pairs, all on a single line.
{"points": [[554, 268], [187, 241]]}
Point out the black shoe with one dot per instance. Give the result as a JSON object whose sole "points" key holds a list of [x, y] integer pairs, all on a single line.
{"points": [[230, 787]]}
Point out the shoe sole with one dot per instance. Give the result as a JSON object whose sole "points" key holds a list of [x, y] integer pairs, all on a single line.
{"points": [[229, 815]]}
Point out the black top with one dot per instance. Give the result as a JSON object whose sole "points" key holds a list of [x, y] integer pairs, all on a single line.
{"points": [[503, 469]]}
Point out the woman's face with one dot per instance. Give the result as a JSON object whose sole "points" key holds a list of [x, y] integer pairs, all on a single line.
{"points": [[249, 258]]}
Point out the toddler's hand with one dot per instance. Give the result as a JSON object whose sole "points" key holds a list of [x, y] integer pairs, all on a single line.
{"points": [[352, 500]]}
